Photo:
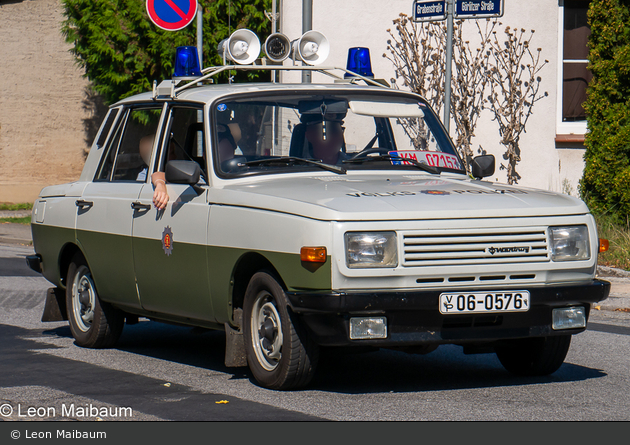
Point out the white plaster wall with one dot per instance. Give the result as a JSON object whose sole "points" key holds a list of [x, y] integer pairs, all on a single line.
{"points": [[352, 23]]}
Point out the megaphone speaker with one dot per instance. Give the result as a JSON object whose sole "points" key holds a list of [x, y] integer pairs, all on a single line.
{"points": [[242, 47], [277, 47], [312, 48]]}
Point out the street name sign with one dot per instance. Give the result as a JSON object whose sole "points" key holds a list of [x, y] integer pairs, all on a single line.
{"points": [[428, 11], [172, 15], [476, 9]]}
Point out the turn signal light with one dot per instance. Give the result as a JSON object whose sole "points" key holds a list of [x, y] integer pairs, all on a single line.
{"points": [[313, 254], [603, 245]]}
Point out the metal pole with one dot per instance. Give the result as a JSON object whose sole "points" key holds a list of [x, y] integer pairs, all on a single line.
{"points": [[307, 25], [200, 51], [449, 63], [274, 29], [200, 34]]}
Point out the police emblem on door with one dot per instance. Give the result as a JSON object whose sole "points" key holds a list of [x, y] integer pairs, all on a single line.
{"points": [[167, 241]]}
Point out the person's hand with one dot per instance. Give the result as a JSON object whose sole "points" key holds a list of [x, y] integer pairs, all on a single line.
{"points": [[160, 195]]}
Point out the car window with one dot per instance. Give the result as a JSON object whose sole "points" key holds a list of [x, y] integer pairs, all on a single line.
{"points": [[107, 125], [251, 133], [185, 137], [129, 150]]}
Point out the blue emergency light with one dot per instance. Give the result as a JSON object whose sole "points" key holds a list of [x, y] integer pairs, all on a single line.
{"points": [[186, 63], [359, 62]]}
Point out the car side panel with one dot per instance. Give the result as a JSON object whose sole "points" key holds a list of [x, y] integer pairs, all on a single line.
{"points": [[104, 235], [234, 232], [54, 231]]}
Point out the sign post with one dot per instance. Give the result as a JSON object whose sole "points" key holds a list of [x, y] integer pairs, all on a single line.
{"points": [[429, 11]]}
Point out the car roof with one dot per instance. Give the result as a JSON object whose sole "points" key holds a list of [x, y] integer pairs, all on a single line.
{"points": [[208, 93]]}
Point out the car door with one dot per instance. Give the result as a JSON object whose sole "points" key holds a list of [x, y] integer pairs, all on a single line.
{"points": [[104, 212], [169, 245]]}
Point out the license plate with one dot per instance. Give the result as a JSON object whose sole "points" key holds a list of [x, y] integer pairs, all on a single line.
{"points": [[484, 302]]}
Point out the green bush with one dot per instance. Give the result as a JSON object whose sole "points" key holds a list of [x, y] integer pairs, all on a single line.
{"points": [[605, 185], [123, 52]]}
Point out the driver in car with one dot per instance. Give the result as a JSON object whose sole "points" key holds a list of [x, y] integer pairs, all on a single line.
{"points": [[325, 137]]}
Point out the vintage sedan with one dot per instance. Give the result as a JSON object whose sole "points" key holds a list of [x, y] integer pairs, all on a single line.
{"points": [[302, 216]]}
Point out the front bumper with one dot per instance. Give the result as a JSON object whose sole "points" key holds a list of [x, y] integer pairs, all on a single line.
{"points": [[413, 317]]}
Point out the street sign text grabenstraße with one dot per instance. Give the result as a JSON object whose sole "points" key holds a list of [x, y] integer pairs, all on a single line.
{"points": [[476, 9], [429, 11]]}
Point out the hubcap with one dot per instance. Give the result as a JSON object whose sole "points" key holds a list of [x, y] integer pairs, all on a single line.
{"points": [[266, 331], [83, 299]]}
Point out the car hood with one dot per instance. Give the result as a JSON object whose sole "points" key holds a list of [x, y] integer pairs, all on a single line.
{"points": [[358, 197]]}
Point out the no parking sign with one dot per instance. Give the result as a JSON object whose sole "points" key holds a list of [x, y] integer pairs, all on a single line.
{"points": [[172, 15]]}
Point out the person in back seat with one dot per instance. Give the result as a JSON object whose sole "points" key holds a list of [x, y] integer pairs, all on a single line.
{"points": [[158, 179]]}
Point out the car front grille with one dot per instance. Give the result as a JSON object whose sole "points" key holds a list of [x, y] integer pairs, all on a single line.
{"points": [[454, 247]]}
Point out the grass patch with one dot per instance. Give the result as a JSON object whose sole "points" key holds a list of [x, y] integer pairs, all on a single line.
{"points": [[20, 206], [618, 235], [24, 220]]}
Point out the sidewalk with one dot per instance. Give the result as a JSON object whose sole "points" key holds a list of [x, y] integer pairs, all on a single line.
{"points": [[619, 299]]}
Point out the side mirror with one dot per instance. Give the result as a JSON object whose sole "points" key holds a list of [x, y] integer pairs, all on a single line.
{"points": [[483, 166], [182, 172]]}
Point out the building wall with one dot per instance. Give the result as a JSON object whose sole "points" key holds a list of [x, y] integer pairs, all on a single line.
{"points": [[46, 111], [365, 23]]}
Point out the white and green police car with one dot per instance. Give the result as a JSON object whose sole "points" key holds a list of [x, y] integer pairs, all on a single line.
{"points": [[382, 241]]}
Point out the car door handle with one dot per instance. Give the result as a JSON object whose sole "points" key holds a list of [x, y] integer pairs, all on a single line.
{"points": [[139, 206], [83, 204]]}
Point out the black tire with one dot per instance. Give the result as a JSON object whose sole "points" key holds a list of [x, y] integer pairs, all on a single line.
{"points": [[534, 356], [280, 353], [93, 323]]}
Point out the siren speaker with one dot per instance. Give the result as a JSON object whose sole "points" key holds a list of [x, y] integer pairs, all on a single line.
{"points": [[242, 47], [312, 48], [277, 47]]}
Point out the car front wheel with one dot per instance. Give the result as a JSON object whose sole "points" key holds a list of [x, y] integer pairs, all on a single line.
{"points": [[534, 356], [94, 324], [280, 353]]}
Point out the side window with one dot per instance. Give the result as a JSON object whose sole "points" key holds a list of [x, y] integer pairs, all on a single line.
{"points": [[107, 161], [185, 137], [107, 125], [134, 152], [128, 150]]}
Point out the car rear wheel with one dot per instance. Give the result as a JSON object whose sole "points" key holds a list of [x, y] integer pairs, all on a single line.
{"points": [[280, 353], [93, 323], [534, 356]]}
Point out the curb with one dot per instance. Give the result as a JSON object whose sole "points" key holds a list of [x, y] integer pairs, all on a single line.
{"points": [[15, 213], [605, 271], [6, 240]]}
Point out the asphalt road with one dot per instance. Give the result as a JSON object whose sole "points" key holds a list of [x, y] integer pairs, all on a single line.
{"points": [[163, 372]]}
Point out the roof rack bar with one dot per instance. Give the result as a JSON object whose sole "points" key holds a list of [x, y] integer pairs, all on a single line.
{"points": [[214, 70]]}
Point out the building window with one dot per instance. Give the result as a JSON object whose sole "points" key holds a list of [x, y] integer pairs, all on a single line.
{"points": [[574, 77]]}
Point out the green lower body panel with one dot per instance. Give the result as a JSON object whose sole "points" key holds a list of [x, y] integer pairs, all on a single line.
{"points": [[175, 284], [192, 285], [297, 276], [49, 241], [110, 259]]}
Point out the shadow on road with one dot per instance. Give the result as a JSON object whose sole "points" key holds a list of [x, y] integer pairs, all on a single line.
{"points": [[342, 370], [23, 365]]}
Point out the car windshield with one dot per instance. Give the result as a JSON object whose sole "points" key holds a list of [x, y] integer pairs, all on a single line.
{"points": [[336, 132]]}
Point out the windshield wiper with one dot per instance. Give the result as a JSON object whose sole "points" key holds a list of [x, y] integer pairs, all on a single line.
{"points": [[420, 165], [296, 160]]}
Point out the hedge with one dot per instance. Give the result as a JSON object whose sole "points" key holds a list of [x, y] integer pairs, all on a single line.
{"points": [[605, 185]]}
